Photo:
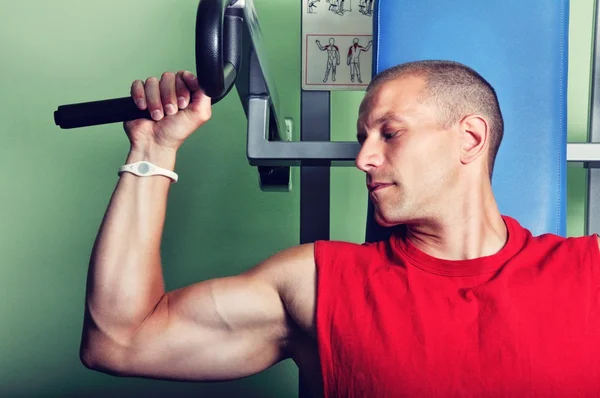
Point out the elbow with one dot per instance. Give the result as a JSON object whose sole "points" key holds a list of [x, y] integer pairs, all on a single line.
{"points": [[100, 349], [106, 350], [98, 354], [90, 346], [93, 362], [87, 356], [91, 353], [89, 359], [98, 361]]}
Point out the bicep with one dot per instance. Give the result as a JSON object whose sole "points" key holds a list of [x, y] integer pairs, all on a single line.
{"points": [[219, 329]]}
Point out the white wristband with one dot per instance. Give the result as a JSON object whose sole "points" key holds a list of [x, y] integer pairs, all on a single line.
{"points": [[145, 169]]}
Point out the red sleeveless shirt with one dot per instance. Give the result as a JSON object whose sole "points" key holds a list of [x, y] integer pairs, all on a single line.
{"points": [[393, 321]]}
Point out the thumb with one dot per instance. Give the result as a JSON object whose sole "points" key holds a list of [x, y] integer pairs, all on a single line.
{"points": [[199, 108]]}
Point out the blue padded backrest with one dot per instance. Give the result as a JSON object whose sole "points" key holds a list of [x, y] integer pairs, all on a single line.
{"points": [[520, 47]]}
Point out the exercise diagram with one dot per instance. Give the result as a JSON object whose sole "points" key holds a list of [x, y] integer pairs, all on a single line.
{"points": [[333, 58], [335, 34], [352, 59]]}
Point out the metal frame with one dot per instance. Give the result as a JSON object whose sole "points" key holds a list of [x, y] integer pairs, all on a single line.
{"points": [[592, 224], [314, 180]]}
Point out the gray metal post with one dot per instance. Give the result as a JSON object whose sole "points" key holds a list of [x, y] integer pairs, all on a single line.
{"points": [[314, 180], [593, 199], [315, 113]]}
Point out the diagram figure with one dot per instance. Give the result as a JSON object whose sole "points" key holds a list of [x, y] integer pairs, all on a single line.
{"points": [[333, 57], [353, 59], [339, 6], [366, 7], [312, 6]]}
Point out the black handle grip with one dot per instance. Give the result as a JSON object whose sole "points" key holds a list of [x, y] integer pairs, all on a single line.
{"points": [[98, 112], [218, 58]]}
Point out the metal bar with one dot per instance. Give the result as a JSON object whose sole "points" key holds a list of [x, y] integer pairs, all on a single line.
{"points": [[593, 199], [263, 152], [314, 180], [584, 152]]}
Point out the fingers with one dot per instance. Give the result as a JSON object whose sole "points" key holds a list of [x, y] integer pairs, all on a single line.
{"points": [[200, 108], [190, 81], [183, 94], [138, 94], [168, 93], [165, 97], [153, 98]]}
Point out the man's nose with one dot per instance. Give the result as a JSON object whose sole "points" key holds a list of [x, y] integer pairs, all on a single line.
{"points": [[370, 156]]}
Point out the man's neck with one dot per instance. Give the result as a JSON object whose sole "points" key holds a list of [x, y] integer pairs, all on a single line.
{"points": [[476, 230]]}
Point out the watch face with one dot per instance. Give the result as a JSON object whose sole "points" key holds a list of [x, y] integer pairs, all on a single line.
{"points": [[143, 168]]}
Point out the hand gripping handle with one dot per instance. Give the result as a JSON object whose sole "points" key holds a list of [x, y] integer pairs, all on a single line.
{"points": [[218, 57]]}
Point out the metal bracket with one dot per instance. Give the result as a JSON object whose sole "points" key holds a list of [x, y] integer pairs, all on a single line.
{"points": [[588, 154]]}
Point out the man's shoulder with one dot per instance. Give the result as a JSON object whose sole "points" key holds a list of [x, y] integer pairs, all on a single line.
{"points": [[328, 253], [345, 247], [301, 260], [295, 258], [560, 246]]}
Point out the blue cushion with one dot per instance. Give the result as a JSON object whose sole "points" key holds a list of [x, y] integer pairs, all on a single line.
{"points": [[520, 47]]}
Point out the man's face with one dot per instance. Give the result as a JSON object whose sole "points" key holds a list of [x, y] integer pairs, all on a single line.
{"points": [[410, 160]]}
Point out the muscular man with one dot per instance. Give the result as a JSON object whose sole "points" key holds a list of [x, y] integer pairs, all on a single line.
{"points": [[333, 58], [461, 300]]}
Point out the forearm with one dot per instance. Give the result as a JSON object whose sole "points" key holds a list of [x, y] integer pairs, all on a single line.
{"points": [[125, 279]]}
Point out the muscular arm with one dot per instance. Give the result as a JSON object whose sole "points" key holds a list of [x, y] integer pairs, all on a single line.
{"points": [[213, 330]]}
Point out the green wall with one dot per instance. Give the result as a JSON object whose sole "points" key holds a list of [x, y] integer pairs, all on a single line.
{"points": [[55, 184], [580, 52]]}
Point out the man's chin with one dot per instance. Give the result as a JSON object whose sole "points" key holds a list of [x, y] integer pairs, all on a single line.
{"points": [[384, 221]]}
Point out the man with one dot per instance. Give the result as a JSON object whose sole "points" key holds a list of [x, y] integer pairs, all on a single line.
{"points": [[460, 301]]}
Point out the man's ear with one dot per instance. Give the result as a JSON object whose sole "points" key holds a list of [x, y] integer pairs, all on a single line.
{"points": [[474, 137]]}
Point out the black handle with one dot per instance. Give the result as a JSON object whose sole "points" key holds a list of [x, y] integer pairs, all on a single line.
{"points": [[98, 112], [218, 59]]}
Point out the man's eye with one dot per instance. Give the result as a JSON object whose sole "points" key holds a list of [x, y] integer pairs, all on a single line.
{"points": [[387, 136]]}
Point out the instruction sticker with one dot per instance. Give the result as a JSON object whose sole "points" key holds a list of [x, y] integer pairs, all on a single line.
{"points": [[337, 44]]}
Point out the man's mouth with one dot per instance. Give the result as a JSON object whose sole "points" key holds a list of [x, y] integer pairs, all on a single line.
{"points": [[376, 186]]}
